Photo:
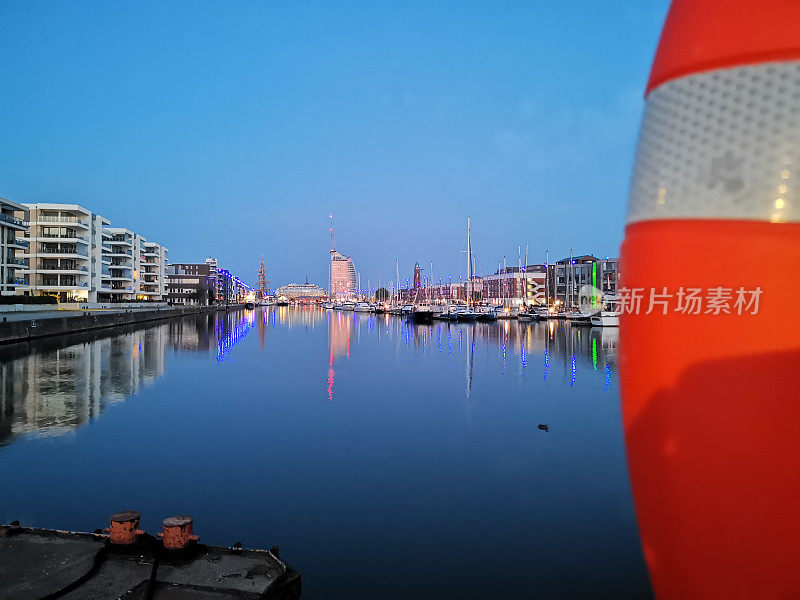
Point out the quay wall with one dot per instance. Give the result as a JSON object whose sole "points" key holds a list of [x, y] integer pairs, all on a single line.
{"points": [[20, 331]]}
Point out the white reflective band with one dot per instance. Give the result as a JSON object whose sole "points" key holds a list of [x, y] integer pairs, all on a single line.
{"points": [[721, 145]]}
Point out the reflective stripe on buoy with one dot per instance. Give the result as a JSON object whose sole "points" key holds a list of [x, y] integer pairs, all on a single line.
{"points": [[721, 145]]}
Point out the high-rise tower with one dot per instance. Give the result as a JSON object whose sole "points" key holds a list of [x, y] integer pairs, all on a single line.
{"points": [[342, 272], [417, 276]]}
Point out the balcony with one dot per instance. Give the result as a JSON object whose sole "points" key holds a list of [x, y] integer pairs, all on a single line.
{"points": [[62, 269], [121, 240], [68, 252], [70, 219], [12, 220], [67, 237], [19, 243], [20, 262], [119, 252]]}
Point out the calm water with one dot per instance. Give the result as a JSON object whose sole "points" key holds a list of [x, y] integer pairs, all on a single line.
{"points": [[386, 460]]}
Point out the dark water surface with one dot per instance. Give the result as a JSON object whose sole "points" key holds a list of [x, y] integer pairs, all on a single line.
{"points": [[386, 460]]}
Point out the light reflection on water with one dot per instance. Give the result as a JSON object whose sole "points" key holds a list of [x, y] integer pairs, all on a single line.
{"points": [[386, 459]]}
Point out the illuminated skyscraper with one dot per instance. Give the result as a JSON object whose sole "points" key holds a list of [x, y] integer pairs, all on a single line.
{"points": [[342, 274]]}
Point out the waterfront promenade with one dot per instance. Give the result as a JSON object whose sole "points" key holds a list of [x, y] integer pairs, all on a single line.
{"points": [[22, 325]]}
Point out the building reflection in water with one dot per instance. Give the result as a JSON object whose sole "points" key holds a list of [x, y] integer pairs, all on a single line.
{"points": [[53, 386], [511, 345], [56, 385]]}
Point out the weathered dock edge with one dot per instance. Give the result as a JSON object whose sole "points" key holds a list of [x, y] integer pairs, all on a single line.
{"points": [[24, 330], [45, 563]]}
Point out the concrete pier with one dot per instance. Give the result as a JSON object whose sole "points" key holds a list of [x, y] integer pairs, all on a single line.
{"points": [[20, 327], [41, 563]]}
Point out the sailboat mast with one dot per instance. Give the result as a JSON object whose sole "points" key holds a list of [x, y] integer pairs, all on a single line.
{"points": [[505, 270], [547, 279], [570, 277], [469, 262], [397, 278]]}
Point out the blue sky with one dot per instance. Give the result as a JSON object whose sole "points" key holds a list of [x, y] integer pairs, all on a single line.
{"points": [[234, 128]]}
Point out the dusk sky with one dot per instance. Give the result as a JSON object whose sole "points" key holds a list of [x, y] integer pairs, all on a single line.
{"points": [[234, 129]]}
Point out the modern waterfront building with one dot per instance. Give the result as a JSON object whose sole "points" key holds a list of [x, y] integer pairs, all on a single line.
{"points": [[153, 262], [301, 292], [137, 268], [190, 284], [13, 227], [566, 278], [231, 289], [65, 243], [213, 273], [342, 275], [119, 252], [515, 287], [74, 254]]}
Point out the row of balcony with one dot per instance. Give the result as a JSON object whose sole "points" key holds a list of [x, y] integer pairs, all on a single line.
{"points": [[11, 219], [61, 219]]}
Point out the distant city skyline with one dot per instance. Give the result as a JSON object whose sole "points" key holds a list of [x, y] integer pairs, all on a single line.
{"points": [[238, 131]]}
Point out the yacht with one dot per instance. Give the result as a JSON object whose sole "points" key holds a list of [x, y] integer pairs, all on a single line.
{"points": [[348, 305], [446, 314], [506, 312], [579, 318], [363, 307], [485, 313], [465, 313], [608, 316], [422, 313]]}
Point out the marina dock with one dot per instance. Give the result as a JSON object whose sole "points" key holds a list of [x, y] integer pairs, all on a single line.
{"points": [[42, 563]]}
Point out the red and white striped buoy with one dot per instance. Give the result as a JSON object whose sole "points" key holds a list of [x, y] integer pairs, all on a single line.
{"points": [[711, 393]]}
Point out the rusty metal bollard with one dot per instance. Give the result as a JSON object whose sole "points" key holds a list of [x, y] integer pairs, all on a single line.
{"points": [[124, 527], [178, 532]]}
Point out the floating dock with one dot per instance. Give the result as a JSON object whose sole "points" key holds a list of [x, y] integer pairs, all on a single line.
{"points": [[128, 564]]}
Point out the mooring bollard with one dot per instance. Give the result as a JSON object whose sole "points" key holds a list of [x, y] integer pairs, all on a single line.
{"points": [[178, 532], [124, 527]]}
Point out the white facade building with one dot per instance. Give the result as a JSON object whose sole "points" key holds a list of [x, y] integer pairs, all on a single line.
{"points": [[137, 269], [119, 251], [64, 253], [153, 271], [12, 229], [70, 252]]}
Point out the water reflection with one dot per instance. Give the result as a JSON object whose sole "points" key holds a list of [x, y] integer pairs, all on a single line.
{"points": [[54, 386], [507, 348]]}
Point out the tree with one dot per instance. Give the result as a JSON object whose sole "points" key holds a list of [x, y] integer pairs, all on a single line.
{"points": [[381, 294]]}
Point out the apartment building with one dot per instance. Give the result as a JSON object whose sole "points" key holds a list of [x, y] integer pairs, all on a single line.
{"points": [[189, 284], [152, 280], [567, 277], [515, 287], [119, 254], [136, 267], [13, 227], [64, 252]]}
